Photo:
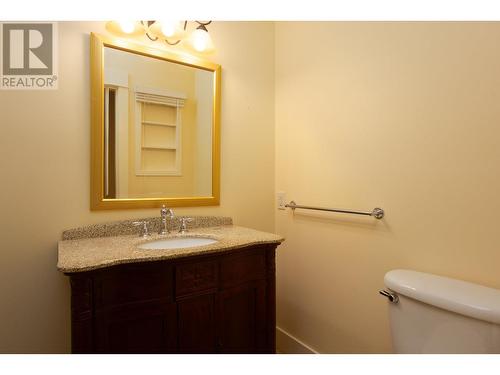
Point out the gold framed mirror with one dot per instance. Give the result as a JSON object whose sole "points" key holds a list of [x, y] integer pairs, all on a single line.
{"points": [[155, 127]]}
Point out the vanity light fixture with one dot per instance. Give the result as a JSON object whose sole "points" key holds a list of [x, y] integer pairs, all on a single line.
{"points": [[168, 31]]}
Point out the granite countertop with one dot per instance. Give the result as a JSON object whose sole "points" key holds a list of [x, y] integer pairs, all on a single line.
{"points": [[85, 254]]}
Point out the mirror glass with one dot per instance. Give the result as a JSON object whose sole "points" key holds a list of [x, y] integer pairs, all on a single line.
{"points": [[158, 127]]}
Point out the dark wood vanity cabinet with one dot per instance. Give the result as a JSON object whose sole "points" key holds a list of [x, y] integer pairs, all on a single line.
{"points": [[222, 303]]}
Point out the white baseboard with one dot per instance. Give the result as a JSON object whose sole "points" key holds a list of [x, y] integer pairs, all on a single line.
{"points": [[287, 344]]}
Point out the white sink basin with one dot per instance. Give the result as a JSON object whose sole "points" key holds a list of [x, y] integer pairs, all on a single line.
{"points": [[176, 243]]}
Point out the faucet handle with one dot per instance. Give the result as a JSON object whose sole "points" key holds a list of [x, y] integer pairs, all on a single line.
{"points": [[164, 211], [145, 230], [184, 221]]}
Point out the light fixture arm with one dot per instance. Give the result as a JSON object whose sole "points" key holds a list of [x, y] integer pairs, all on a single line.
{"points": [[201, 25], [147, 25], [178, 41], [150, 30]]}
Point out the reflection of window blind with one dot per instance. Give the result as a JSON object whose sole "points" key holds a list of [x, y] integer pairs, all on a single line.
{"points": [[160, 96]]}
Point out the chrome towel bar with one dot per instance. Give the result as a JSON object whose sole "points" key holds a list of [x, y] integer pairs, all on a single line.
{"points": [[377, 213]]}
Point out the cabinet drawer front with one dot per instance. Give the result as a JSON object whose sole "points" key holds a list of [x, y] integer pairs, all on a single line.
{"points": [[132, 284], [240, 268], [195, 277]]}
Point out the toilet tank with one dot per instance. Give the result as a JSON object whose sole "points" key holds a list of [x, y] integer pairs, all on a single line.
{"points": [[437, 314]]}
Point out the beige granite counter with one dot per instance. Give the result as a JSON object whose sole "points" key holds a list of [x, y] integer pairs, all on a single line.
{"points": [[85, 254]]}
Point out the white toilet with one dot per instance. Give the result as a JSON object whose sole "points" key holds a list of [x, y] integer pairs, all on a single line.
{"points": [[435, 314]]}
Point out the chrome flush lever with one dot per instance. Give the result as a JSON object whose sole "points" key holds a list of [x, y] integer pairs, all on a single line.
{"points": [[391, 296]]}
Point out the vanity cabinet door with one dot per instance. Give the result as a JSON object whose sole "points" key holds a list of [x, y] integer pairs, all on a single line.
{"points": [[146, 328], [196, 324], [241, 319]]}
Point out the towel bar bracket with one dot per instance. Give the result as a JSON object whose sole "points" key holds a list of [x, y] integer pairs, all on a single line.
{"points": [[378, 213]]}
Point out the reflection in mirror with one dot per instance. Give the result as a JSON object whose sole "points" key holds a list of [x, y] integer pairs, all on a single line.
{"points": [[158, 118]]}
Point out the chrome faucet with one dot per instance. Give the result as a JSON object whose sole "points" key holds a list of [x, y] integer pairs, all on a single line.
{"points": [[165, 212]]}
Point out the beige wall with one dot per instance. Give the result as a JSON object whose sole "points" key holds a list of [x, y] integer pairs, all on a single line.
{"points": [[44, 164], [401, 115]]}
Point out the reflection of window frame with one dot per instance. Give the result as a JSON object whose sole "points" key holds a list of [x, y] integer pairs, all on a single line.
{"points": [[117, 81], [168, 98], [110, 157]]}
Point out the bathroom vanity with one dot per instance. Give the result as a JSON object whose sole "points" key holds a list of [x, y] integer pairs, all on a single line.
{"points": [[217, 298], [212, 293]]}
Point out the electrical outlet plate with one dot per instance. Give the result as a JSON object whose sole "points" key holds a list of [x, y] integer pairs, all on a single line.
{"points": [[281, 200]]}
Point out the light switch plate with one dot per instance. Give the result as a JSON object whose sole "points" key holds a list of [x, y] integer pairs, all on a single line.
{"points": [[281, 200]]}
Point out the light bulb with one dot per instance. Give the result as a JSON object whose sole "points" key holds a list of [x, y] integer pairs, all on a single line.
{"points": [[127, 27], [169, 28], [201, 40]]}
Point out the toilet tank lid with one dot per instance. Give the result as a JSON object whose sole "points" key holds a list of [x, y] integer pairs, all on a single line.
{"points": [[464, 298]]}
